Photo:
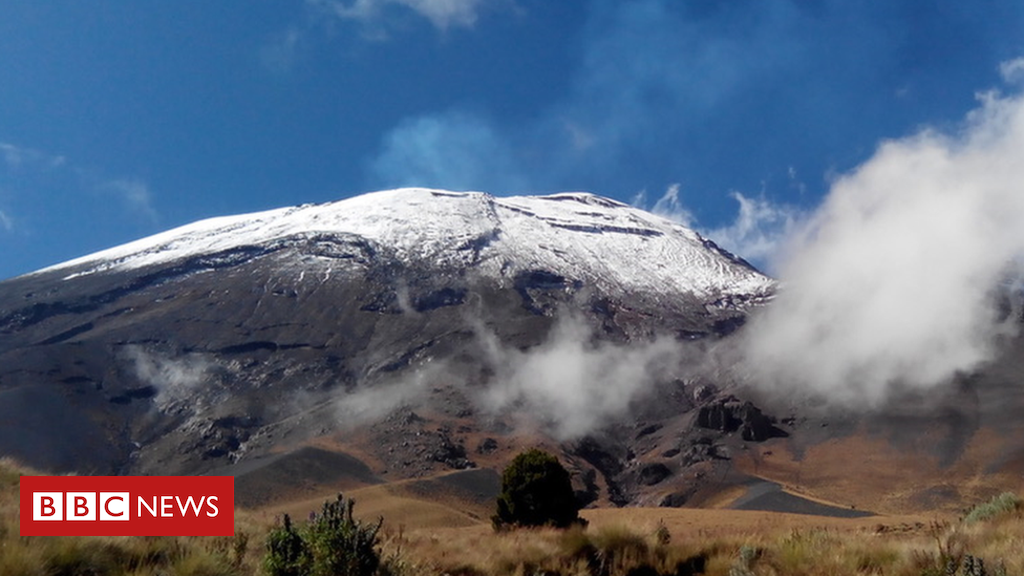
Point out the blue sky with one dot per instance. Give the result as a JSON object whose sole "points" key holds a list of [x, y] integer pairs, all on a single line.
{"points": [[119, 119]]}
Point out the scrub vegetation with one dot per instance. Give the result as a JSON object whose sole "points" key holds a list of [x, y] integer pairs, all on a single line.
{"points": [[986, 540]]}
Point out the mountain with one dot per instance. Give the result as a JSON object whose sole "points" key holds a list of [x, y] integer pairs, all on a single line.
{"points": [[226, 339], [404, 335]]}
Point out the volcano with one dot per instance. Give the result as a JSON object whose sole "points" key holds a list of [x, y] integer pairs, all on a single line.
{"points": [[425, 336]]}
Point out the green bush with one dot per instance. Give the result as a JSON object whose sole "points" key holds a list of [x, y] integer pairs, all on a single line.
{"points": [[332, 543], [287, 553], [1005, 502], [536, 491]]}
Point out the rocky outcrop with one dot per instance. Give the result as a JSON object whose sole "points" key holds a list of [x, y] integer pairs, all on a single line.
{"points": [[608, 459], [652, 474], [730, 415]]}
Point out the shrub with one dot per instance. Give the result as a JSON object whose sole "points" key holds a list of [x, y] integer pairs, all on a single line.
{"points": [[331, 543], [287, 554], [1005, 502], [536, 491], [744, 563], [340, 544]]}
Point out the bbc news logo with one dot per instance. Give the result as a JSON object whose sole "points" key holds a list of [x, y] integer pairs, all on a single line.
{"points": [[127, 505]]}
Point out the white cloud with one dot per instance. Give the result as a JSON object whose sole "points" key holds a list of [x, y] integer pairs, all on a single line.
{"points": [[1012, 71], [891, 282], [174, 378], [570, 384], [442, 13], [668, 206], [760, 230], [6, 222], [757, 235]]}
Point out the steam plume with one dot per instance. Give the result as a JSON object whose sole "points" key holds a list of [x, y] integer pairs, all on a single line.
{"points": [[174, 378], [891, 282], [569, 384]]}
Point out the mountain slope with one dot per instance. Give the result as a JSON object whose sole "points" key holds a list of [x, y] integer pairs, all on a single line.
{"points": [[388, 319]]}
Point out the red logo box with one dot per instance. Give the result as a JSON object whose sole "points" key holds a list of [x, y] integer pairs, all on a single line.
{"points": [[127, 505]]}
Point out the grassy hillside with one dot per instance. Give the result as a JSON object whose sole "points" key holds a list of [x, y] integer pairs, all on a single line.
{"points": [[443, 535]]}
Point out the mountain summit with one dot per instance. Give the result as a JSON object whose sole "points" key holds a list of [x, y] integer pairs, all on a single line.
{"points": [[594, 240]]}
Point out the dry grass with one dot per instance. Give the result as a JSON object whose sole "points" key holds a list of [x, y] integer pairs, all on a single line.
{"points": [[425, 538], [731, 543], [397, 505], [879, 482], [184, 556]]}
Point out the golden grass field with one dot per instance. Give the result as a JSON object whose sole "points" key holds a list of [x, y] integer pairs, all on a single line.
{"points": [[871, 473], [443, 535]]}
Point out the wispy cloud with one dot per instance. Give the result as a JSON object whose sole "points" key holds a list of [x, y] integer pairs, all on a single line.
{"points": [[758, 233], [279, 54], [6, 222], [668, 206], [572, 384], [725, 96], [12, 154], [760, 230], [18, 157], [376, 18], [443, 14], [34, 166], [135, 194], [455, 150]]}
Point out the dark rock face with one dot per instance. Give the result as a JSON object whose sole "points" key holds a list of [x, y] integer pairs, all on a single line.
{"points": [[486, 446], [450, 454], [675, 499], [702, 450], [607, 459], [413, 446], [585, 487], [652, 474], [729, 415], [718, 417]]}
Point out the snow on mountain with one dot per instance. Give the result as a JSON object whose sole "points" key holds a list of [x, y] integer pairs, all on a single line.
{"points": [[578, 235]]}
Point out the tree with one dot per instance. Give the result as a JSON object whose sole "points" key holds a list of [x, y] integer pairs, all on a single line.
{"points": [[536, 491]]}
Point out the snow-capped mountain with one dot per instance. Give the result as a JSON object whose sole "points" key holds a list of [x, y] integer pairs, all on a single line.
{"points": [[407, 333], [221, 342], [576, 235]]}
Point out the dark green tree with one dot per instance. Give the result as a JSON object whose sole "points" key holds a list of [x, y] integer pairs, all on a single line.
{"points": [[536, 491]]}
